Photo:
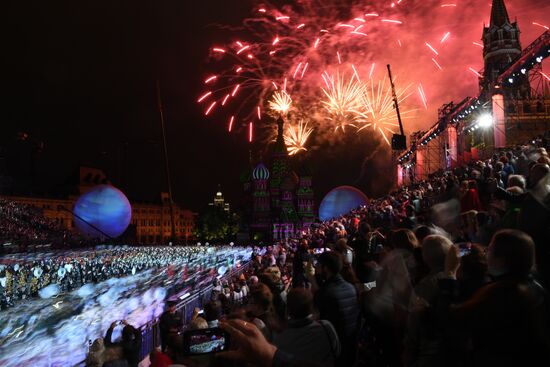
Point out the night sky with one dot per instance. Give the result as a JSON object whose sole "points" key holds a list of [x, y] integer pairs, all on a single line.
{"points": [[80, 77]]}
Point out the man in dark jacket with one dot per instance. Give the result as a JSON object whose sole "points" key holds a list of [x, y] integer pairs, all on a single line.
{"points": [[337, 302], [169, 324], [314, 341], [300, 258], [507, 319], [361, 244], [534, 216]]}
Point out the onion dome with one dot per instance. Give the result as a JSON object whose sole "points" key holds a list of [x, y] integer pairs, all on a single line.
{"points": [[260, 172], [290, 182]]}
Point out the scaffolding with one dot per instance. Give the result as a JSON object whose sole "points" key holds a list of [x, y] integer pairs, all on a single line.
{"points": [[529, 116]]}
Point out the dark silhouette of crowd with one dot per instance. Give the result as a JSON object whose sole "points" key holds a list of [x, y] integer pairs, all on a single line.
{"points": [[24, 228], [447, 271], [452, 270]]}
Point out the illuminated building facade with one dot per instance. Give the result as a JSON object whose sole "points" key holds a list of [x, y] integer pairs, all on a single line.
{"points": [[150, 222], [282, 199]]}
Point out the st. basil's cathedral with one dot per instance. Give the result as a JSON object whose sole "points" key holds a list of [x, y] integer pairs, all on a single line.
{"points": [[280, 199]]}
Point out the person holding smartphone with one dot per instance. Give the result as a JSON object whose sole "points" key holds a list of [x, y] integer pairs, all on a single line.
{"points": [[506, 319], [130, 343]]}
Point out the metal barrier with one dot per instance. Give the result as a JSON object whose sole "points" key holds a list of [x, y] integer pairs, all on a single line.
{"points": [[150, 332]]}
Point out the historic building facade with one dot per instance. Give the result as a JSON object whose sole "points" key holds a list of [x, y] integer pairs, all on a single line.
{"points": [[219, 202], [281, 200], [519, 101], [150, 223]]}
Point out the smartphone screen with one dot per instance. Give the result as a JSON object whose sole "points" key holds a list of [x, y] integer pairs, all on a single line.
{"points": [[464, 248], [205, 341], [464, 251], [370, 285]]}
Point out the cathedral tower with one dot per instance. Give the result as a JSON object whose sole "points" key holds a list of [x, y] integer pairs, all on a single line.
{"points": [[501, 46]]}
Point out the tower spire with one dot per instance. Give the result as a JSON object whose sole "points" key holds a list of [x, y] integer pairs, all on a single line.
{"points": [[499, 14], [280, 143], [501, 46]]}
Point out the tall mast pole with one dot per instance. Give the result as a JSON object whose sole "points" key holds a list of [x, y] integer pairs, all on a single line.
{"points": [[395, 104], [166, 164]]}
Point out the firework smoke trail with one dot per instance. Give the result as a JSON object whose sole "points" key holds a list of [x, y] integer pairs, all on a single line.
{"points": [[290, 47], [296, 137], [364, 171]]}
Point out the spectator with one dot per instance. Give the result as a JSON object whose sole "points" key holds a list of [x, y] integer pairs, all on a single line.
{"points": [[386, 307], [508, 318], [363, 246], [253, 280], [170, 323], [337, 303], [534, 215], [434, 252], [159, 359], [96, 355], [261, 311], [470, 200], [314, 341], [213, 313], [472, 272], [130, 343], [422, 232], [272, 278], [251, 347], [198, 323], [517, 181], [298, 265]]}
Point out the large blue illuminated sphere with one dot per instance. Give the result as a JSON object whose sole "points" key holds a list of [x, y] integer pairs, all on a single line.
{"points": [[339, 201], [104, 207]]}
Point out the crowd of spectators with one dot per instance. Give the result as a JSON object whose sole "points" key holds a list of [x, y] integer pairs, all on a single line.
{"points": [[23, 223], [24, 226], [448, 271]]}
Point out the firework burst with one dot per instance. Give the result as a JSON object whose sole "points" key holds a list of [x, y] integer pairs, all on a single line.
{"points": [[296, 137], [285, 50], [377, 110], [280, 102], [342, 98]]}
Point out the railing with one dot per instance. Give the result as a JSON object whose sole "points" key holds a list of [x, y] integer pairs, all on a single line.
{"points": [[150, 332]]}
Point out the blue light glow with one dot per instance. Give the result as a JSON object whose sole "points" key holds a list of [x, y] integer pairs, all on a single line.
{"points": [[105, 208], [339, 201]]}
